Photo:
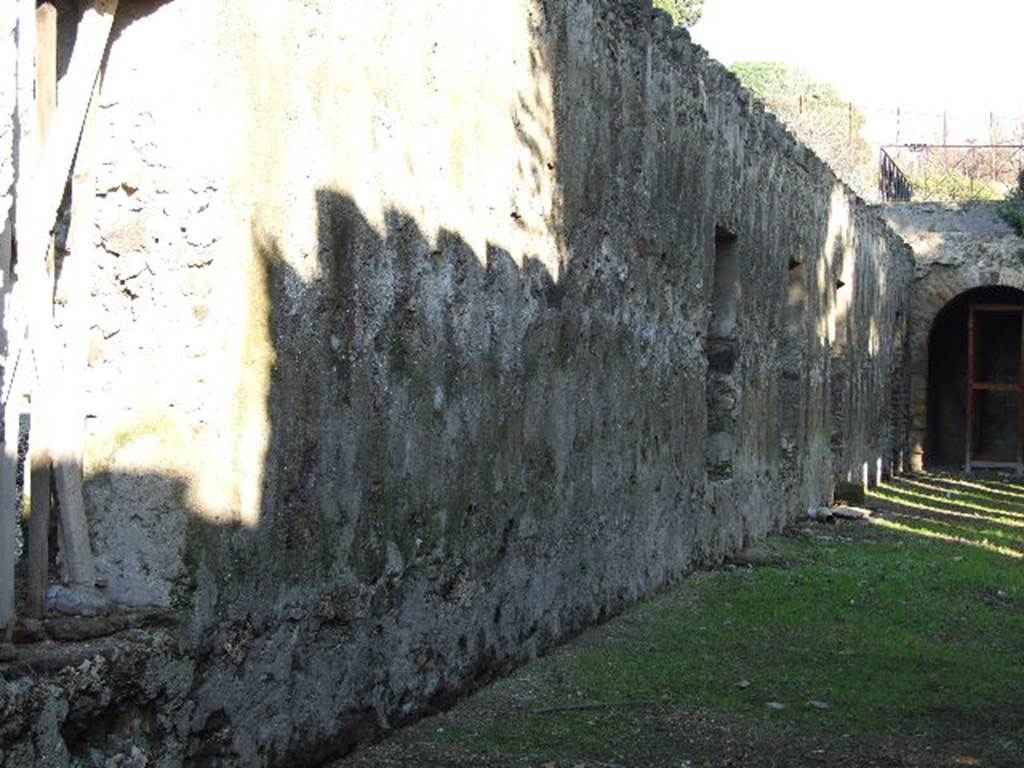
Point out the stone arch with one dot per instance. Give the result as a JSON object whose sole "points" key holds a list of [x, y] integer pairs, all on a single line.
{"points": [[933, 292]]}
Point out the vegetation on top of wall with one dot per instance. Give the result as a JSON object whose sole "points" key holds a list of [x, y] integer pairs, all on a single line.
{"points": [[1012, 211], [1013, 214], [952, 186], [818, 115], [684, 13]]}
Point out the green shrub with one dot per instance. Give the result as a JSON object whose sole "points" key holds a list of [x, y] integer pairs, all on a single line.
{"points": [[1012, 211], [1013, 214], [952, 186]]}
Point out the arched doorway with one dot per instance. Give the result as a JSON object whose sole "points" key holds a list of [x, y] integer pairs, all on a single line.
{"points": [[976, 382]]}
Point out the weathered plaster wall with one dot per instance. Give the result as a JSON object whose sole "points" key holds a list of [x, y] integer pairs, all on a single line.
{"points": [[956, 248], [161, 344], [401, 366], [8, 64], [8, 100]]}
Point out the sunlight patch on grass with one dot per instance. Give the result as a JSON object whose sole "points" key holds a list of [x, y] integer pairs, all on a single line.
{"points": [[954, 511], [959, 528], [990, 486], [919, 530], [1003, 492], [938, 495], [928, 503]]}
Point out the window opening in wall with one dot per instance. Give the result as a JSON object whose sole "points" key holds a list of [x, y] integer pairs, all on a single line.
{"points": [[722, 350]]}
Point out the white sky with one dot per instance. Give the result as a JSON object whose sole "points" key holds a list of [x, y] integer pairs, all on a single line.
{"points": [[924, 56]]}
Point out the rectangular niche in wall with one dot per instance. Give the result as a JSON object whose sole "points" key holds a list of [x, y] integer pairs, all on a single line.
{"points": [[722, 349], [725, 292], [792, 379]]}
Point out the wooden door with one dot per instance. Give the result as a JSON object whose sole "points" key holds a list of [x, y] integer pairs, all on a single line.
{"points": [[995, 387]]}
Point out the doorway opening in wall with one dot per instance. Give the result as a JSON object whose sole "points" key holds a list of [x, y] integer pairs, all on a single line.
{"points": [[722, 350], [976, 382]]}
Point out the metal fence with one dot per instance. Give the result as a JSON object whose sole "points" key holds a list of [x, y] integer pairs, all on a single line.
{"points": [[893, 185], [949, 172]]}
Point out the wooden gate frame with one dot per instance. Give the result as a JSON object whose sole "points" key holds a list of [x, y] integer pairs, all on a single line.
{"points": [[976, 388]]}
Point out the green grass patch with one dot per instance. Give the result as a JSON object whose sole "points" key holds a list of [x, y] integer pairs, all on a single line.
{"points": [[907, 631], [887, 634]]}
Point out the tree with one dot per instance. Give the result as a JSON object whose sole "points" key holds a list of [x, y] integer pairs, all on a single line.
{"points": [[685, 13], [818, 116]]}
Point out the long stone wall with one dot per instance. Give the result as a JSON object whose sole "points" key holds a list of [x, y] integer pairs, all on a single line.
{"points": [[425, 338]]}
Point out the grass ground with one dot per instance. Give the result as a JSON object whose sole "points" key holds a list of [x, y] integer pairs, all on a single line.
{"points": [[895, 642]]}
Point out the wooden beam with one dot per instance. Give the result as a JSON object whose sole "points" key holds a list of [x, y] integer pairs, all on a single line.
{"points": [[45, 198], [26, 145], [999, 307], [985, 462], [39, 448], [59, 149], [8, 482], [46, 69], [8, 451], [38, 549], [67, 432], [983, 386], [25, 28]]}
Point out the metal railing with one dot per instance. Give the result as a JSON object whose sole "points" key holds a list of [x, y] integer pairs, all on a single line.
{"points": [[893, 185], [949, 172]]}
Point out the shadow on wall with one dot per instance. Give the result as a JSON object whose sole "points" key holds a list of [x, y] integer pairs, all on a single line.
{"points": [[466, 462], [417, 530], [458, 470], [467, 456], [463, 465]]}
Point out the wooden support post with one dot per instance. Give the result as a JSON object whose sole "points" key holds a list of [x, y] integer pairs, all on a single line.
{"points": [[8, 452], [8, 483], [59, 151], [67, 435], [46, 195], [39, 447], [8, 470], [38, 549], [13, 328]]}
